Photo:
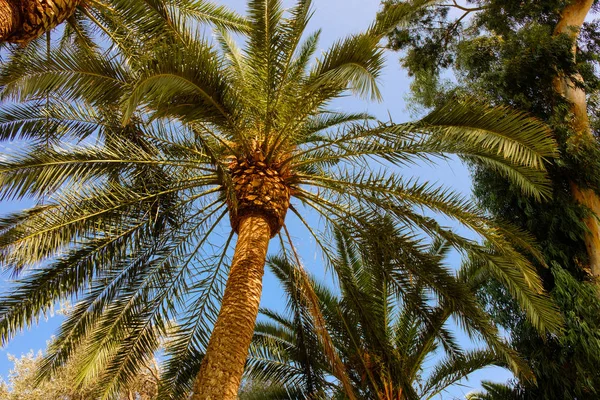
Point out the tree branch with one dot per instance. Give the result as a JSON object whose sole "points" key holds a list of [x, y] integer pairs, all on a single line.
{"points": [[463, 8]]}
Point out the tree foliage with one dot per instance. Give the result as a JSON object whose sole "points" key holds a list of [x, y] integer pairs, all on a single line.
{"points": [[21, 382], [386, 324], [506, 52]]}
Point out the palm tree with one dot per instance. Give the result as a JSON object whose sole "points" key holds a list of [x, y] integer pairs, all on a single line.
{"points": [[180, 132], [22, 21], [382, 324]]}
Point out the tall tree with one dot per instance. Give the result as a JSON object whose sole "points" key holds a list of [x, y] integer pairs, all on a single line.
{"points": [[385, 324], [189, 131], [572, 88], [469, 39], [542, 57]]}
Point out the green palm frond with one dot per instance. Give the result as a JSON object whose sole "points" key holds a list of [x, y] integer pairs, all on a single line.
{"points": [[355, 62], [192, 74], [470, 125], [383, 327], [451, 370], [67, 71], [541, 312], [310, 326], [287, 349], [121, 21], [38, 120], [496, 391]]}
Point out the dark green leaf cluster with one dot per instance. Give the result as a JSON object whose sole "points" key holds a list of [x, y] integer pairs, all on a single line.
{"points": [[562, 363]]}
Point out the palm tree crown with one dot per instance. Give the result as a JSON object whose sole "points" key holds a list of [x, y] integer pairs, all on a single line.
{"points": [[384, 325], [141, 148]]}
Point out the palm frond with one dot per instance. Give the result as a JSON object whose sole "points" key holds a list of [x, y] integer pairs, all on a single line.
{"points": [[512, 135], [449, 371], [68, 73], [496, 391], [354, 63], [192, 73]]}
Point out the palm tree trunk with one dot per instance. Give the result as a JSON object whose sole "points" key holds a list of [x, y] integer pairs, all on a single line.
{"points": [[21, 21], [571, 21], [223, 364], [9, 18]]}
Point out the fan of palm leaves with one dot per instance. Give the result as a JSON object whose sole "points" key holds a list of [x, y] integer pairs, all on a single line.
{"points": [[384, 325], [146, 154]]}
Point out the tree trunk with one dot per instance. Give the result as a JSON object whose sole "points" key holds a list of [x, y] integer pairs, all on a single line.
{"points": [[572, 18], [10, 18], [222, 367], [21, 21]]}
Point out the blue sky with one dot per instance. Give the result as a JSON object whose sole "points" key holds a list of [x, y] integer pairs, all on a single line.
{"points": [[336, 18]]}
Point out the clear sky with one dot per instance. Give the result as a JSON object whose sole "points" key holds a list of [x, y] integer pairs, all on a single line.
{"points": [[336, 18]]}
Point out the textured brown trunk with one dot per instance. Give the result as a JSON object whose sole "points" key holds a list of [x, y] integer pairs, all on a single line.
{"points": [[21, 21], [572, 19], [10, 18], [222, 367]]}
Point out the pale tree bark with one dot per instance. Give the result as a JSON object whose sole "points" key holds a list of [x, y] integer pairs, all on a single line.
{"points": [[572, 18], [21, 21], [223, 364]]}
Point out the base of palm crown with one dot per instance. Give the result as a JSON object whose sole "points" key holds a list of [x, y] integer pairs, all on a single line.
{"points": [[259, 188]]}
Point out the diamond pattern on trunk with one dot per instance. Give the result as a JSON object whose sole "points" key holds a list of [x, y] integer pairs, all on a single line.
{"points": [[39, 16], [260, 189]]}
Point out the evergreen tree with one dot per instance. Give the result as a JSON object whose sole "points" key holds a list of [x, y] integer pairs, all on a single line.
{"points": [[538, 56]]}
